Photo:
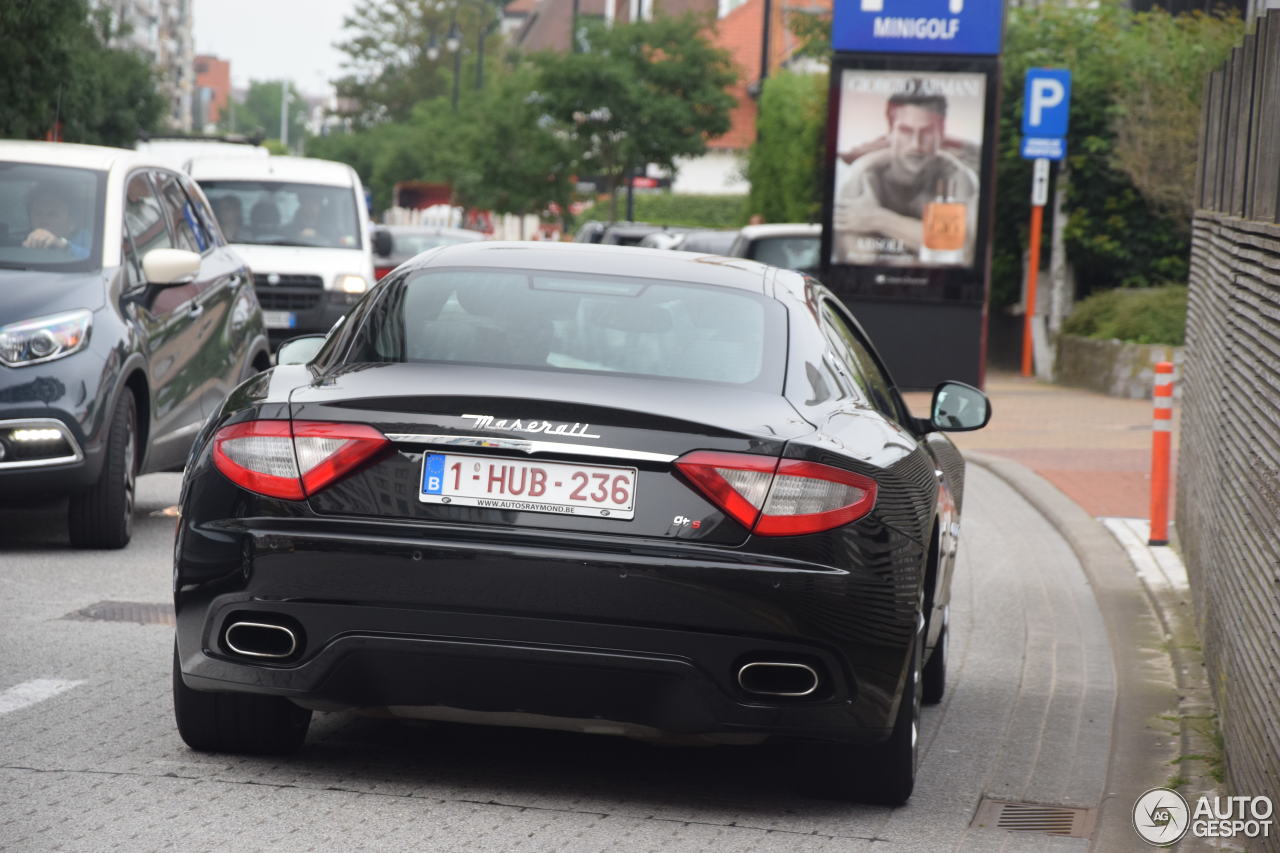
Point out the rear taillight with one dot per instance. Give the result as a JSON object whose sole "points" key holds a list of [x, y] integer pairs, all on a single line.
{"points": [[772, 497], [292, 459]]}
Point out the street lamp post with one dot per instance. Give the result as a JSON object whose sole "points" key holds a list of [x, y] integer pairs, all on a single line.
{"points": [[453, 44]]}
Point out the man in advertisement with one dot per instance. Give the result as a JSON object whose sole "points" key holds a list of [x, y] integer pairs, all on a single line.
{"points": [[908, 198]]}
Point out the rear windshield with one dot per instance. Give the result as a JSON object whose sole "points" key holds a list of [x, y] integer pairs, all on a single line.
{"points": [[594, 324], [50, 217], [276, 213]]}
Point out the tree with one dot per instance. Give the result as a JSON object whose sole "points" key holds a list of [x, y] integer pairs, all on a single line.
{"points": [[390, 66], [785, 166], [645, 92], [261, 110], [1158, 100], [55, 69]]}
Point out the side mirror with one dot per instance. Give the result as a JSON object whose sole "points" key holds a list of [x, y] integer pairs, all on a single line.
{"points": [[382, 242], [959, 407], [299, 350], [170, 266]]}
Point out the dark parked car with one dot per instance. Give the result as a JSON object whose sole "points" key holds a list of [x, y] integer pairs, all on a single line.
{"points": [[124, 321], [612, 490], [404, 241]]}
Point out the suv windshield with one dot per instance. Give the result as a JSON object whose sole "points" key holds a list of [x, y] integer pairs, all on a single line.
{"points": [[50, 217], [276, 213], [560, 321]]}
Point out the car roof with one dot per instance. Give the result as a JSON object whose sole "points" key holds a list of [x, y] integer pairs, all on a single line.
{"points": [[308, 170], [588, 258], [782, 229], [97, 157]]}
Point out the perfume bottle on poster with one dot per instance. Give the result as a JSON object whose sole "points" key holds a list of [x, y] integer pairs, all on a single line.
{"points": [[944, 225]]}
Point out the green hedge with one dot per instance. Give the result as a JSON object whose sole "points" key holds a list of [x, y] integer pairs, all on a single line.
{"points": [[688, 211], [1150, 315]]}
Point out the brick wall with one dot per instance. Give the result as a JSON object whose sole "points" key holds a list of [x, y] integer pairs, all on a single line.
{"points": [[1228, 510]]}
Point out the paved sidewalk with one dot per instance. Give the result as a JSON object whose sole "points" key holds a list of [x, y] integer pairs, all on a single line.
{"points": [[1096, 449]]}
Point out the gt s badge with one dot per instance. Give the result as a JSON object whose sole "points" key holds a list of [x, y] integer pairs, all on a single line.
{"points": [[682, 521]]}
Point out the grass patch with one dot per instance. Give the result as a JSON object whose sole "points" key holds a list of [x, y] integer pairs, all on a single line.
{"points": [[1147, 315]]}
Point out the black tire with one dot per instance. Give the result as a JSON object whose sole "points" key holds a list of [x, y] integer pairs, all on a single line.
{"points": [[880, 774], [237, 722], [933, 680], [101, 516]]}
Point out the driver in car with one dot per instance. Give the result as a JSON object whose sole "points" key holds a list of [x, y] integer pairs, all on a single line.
{"points": [[52, 224]]}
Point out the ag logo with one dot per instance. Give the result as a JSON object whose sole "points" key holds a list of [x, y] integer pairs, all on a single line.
{"points": [[1161, 817]]}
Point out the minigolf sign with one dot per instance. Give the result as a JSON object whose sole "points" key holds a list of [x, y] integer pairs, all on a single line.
{"points": [[968, 27]]}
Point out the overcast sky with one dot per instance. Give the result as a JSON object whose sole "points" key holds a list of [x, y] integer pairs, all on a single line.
{"points": [[274, 39]]}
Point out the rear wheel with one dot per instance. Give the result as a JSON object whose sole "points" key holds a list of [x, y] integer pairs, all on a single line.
{"points": [[236, 722], [934, 678], [884, 773], [101, 516]]}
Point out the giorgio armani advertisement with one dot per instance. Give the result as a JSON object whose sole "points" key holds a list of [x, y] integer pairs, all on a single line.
{"points": [[909, 149]]}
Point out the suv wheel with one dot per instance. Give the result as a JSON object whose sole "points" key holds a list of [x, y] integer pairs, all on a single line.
{"points": [[101, 516], [236, 722]]}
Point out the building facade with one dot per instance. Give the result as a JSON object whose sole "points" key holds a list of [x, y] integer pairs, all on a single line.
{"points": [[160, 30]]}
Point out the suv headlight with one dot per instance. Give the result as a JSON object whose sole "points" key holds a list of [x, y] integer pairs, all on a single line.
{"points": [[44, 338]]}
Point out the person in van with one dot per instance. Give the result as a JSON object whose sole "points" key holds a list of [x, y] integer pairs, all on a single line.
{"points": [[311, 219], [264, 219], [230, 215]]}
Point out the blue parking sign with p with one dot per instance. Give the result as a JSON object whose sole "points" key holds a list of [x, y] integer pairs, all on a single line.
{"points": [[1046, 103]]}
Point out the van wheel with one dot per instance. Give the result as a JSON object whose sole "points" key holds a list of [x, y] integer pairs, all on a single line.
{"points": [[101, 516], [236, 722]]}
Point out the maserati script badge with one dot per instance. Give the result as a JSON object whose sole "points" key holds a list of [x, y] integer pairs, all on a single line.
{"points": [[576, 430]]}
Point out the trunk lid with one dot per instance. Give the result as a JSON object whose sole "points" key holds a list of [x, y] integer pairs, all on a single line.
{"points": [[501, 422]]}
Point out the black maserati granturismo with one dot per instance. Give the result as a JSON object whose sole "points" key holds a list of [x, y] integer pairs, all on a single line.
{"points": [[601, 489]]}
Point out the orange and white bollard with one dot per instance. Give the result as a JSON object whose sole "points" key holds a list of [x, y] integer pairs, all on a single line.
{"points": [[1161, 449]]}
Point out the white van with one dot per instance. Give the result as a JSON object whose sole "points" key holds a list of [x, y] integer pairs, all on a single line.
{"points": [[302, 226]]}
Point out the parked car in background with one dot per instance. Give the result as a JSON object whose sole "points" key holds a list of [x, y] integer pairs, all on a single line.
{"points": [[595, 489], [708, 242], [303, 226], [793, 246], [589, 232], [627, 233], [667, 238], [125, 319], [402, 242]]}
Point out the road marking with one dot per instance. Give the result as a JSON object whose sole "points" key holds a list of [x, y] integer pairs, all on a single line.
{"points": [[30, 692]]}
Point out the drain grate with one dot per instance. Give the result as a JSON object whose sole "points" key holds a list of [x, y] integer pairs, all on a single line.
{"points": [[1067, 821], [126, 611]]}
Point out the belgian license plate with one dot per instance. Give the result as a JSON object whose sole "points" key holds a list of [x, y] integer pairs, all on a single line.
{"points": [[600, 491], [279, 319]]}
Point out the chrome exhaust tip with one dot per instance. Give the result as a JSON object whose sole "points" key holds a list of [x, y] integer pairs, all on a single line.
{"points": [[778, 678], [261, 640]]}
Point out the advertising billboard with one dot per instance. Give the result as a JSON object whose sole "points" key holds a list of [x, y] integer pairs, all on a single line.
{"points": [[908, 171]]}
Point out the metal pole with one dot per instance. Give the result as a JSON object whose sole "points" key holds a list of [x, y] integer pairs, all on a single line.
{"points": [[631, 194], [1039, 195], [457, 75], [764, 43], [573, 24], [484, 31], [284, 114]]}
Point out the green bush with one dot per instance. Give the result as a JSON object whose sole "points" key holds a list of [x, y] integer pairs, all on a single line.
{"points": [[687, 211], [785, 165], [1149, 315]]}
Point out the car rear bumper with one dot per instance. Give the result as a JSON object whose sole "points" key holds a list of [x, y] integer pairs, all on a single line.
{"points": [[645, 641]]}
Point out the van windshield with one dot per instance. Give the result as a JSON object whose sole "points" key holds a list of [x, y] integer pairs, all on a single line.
{"points": [[276, 213]]}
